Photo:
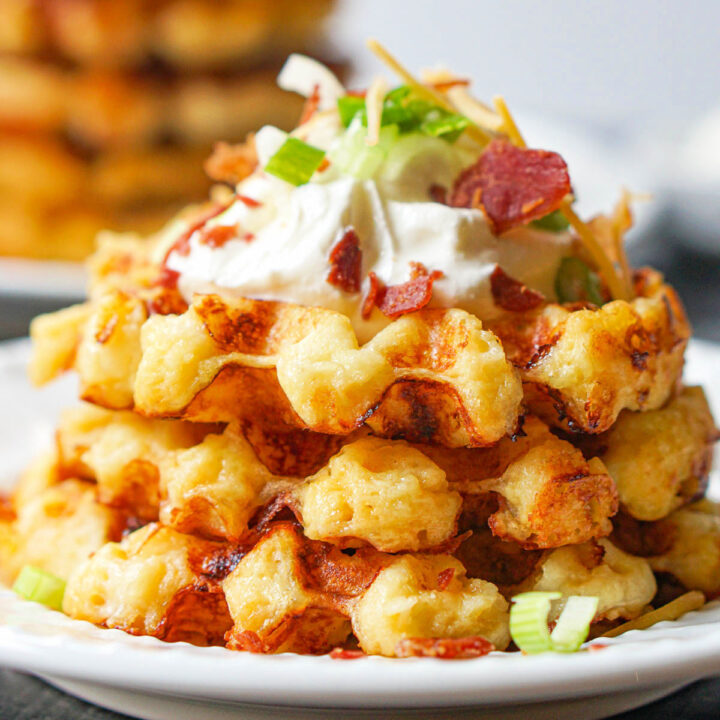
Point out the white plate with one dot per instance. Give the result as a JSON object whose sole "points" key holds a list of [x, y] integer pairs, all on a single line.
{"points": [[55, 279], [159, 681]]}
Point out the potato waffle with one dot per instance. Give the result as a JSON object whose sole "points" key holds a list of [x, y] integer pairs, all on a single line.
{"points": [[107, 109], [101, 109], [267, 473], [185, 33]]}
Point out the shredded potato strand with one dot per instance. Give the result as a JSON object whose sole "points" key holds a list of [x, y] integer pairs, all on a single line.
{"points": [[692, 600], [622, 220], [428, 93], [509, 125], [374, 104], [473, 109]]}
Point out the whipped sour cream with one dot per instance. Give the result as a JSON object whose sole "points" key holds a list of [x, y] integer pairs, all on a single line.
{"points": [[293, 230]]}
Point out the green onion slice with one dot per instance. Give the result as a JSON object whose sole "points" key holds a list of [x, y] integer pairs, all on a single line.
{"points": [[529, 622], [576, 282], [40, 586], [295, 161], [573, 625], [552, 222], [448, 127], [348, 107], [408, 113]]}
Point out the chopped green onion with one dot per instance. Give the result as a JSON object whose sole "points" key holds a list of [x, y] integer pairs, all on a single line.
{"points": [[573, 625], [552, 222], [576, 282], [354, 157], [449, 127], [408, 113], [295, 161], [40, 586], [348, 107], [529, 622], [398, 94]]}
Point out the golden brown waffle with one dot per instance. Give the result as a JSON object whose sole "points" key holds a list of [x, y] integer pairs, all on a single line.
{"points": [[186, 33], [659, 459], [312, 598], [105, 108], [581, 366], [298, 367]]}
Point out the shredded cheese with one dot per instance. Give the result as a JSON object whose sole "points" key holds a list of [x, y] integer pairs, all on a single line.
{"points": [[473, 109], [476, 132], [374, 106], [692, 600]]}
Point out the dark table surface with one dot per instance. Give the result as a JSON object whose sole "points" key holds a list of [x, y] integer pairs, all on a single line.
{"points": [[696, 276]]}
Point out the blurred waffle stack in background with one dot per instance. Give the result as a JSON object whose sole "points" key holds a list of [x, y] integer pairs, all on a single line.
{"points": [[108, 108]]}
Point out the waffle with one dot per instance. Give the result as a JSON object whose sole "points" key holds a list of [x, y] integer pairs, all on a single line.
{"points": [[111, 109], [659, 459], [189, 33], [243, 472], [582, 367]]}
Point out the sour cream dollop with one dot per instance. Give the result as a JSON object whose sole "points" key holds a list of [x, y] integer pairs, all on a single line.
{"points": [[293, 230]]}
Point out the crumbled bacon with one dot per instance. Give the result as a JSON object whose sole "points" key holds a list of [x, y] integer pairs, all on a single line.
{"points": [[250, 202], [346, 262], [217, 235], [248, 237], [311, 105], [444, 648], [510, 294], [397, 300], [323, 166], [182, 245], [232, 163], [167, 278], [438, 194], [372, 294], [339, 653], [512, 185], [445, 578]]}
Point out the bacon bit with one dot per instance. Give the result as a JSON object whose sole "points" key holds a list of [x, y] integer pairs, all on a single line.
{"points": [[232, 163], [217, 235], [250, 202], [444, 85], [166, 301], [339, 653], [356, 93], [182, 245], [512, 185], [510, 294], [167, 278], [444, 648], [445, 578], [248, 237], [311, 105], [597, 647], [371, 297], [346, 262], [323, 166], [438, 194], [397, 300]]}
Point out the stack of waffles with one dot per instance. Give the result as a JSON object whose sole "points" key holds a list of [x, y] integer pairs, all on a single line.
{"points": [[244, 473], [107, 109]]}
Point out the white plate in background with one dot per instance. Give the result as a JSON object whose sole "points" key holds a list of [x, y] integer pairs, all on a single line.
{"points": [[56, 279], [161, 681]]}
